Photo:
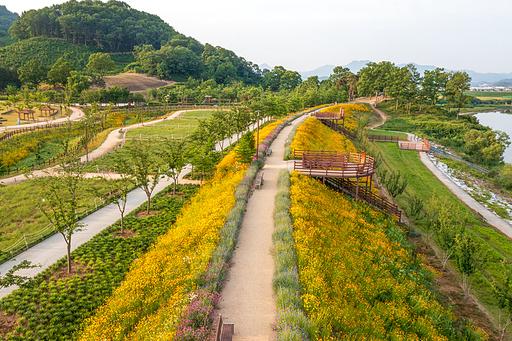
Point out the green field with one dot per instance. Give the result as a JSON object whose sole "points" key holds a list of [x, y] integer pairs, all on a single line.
{"points": [[385, 133], [490, 94], [176, 129], [21, 212]]}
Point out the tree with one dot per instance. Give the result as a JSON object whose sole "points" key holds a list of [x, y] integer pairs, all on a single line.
{"points": [[457, 84], [502, 292], [60, 72], [59, 198], [32, 73], [140, 162], [450, 225], [174, 157], [469, 256], [487, 146], [77, 82], [100, 63], [432, 83], [10, 278], [117, 191], [394, 183], [246, 148]]}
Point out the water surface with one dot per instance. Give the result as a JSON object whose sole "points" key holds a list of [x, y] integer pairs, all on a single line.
{"points": [[498, 121]]}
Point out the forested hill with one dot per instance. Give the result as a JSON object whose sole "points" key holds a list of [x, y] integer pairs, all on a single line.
{"points": [[112, 26], [6, 19]]}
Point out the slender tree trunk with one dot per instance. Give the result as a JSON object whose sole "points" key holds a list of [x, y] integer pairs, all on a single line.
{"points": [[68, 244]]}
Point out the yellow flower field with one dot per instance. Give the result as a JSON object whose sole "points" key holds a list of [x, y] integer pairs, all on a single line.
{"points": [[149, 302], [313, 135], [350, 113], [359, 282]]}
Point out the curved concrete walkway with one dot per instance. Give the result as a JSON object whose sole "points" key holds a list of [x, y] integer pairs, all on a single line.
{"points": [[489, 217], [112, 141], [76, 115], [248, 298]]}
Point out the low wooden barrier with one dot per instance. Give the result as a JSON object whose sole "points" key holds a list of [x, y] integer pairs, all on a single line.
{"points": [[417, 146], [384, 138]]}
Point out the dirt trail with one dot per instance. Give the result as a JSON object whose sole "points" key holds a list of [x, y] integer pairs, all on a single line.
{"points": [[248, 299]]}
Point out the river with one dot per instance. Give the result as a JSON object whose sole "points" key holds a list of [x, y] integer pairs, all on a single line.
{"points": [[498, 121]]}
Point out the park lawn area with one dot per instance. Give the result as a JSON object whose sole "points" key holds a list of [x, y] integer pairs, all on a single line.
{"points": [[19, 207], [423, 183], [176, 129]]}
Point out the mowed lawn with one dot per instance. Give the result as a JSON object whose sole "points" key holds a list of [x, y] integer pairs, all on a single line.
{"points": [[20, 214], [176, 129]]}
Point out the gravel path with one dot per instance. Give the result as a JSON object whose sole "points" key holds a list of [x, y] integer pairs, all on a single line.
{"points": [[248, 299]]}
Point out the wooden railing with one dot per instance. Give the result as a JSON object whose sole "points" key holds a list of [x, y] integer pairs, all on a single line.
{"points": [[15, 131], [384, 138], [366, 194], [335, 126], [328, 164]]}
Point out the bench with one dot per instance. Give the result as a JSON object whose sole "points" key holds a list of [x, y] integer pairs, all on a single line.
{"points": [[269, 151], [224, 331], [259, 181]]}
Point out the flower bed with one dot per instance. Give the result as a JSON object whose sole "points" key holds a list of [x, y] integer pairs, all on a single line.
{"points": [[292, 322], [360, 279], [53, 305], [350, 113], [161, 283]]}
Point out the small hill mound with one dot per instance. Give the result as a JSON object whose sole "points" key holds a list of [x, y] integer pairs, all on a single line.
{"points": [[136, 82]]}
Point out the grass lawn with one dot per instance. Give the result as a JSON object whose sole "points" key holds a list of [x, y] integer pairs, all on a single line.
{"points": [[177, 128], [490, 94], [22, 215]]}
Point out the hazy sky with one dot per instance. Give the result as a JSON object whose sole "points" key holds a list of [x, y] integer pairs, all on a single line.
{"points": [[302, 35]]}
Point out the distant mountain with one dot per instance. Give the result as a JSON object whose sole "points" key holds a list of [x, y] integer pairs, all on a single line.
{"points": [[503, 82], [265, 66], [6, 18], [477, 78]]}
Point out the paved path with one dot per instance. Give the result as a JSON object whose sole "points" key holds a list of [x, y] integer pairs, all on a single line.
{"points": [[248, 299], [76, 115], [112, 141], [490, 217]]}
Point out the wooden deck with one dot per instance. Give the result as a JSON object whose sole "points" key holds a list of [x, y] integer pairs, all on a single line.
{"points": [[327, 164]]}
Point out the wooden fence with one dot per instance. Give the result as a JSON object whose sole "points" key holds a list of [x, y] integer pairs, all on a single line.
{"points": [[384, 138], [336, 127], [21, 130]]}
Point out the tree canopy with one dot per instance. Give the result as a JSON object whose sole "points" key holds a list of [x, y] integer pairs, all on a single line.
{"points": [[110, 26]]}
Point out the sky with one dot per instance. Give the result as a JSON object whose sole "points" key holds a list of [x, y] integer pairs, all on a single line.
{"points": [[302, 35]]}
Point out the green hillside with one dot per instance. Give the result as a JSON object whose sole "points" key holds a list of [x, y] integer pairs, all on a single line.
{"points": [[47, 51], [6, 18]]}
